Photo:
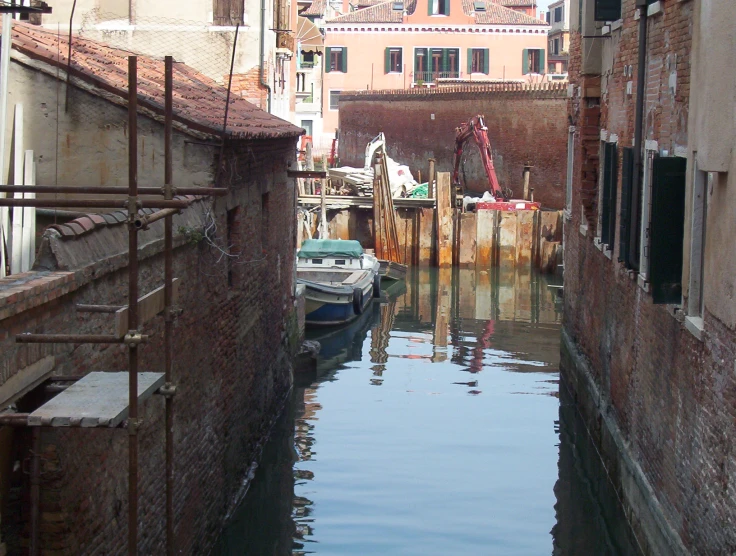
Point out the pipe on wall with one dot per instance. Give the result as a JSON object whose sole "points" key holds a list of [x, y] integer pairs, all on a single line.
{"points": [[263, 55]]}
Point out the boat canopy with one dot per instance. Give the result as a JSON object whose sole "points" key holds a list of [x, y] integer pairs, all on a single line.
{"points": [[320, 248]]}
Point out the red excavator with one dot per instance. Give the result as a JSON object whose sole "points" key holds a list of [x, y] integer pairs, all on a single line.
{"points": [[476, 130]]}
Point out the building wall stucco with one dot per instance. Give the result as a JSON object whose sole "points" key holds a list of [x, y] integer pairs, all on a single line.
{"points": [[87, 145]]}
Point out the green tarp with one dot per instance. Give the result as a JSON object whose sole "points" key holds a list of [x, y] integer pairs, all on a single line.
{"points": [[320, 248]]}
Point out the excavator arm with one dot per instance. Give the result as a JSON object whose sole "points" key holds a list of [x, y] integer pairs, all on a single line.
{"points": [[476, 130]]}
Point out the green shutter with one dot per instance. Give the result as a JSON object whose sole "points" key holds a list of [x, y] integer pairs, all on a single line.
{"points": [[606, 194], [485, 61], [430, 4], [448, 3], [470, 61], [525, 61], [445, 63], [542, 66], [606, 10], [627, 176], [666, 229], [344, 60], [328, 59], [387, 61]]}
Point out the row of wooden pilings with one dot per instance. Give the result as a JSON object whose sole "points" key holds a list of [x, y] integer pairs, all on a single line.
{"points": [[434, 233]]}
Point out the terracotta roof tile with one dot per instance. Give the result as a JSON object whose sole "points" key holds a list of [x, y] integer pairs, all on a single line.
{"points": [[380, 13], [199, 102], [516, 3], [316, 9], [495, 14]]}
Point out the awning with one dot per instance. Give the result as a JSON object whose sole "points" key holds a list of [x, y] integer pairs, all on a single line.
{"points": [[308, 35]]}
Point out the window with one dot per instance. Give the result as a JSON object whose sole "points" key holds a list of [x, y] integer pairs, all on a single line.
{"points": [[558, 14], [606, 10], [334, 97], [439, 7], [227, 12], [697, 245], [556, 46], [307, 60], [667, 228], [532, 61], [644, 207], [337, 59], [562, 43], [478, 60], [307, 126], [432, 64], [393, 60], [397, 6], [479, 6], [608, 194]]}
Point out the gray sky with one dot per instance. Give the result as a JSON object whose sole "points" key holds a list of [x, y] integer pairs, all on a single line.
{"points": [[543, 4]]}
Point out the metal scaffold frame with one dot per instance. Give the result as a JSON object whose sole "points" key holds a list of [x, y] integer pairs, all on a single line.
{"points": [[137, 223]]}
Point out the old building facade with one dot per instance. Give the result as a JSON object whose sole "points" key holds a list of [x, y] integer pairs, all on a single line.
{"points": [[420, 43], [650, 321], [235, 330]]}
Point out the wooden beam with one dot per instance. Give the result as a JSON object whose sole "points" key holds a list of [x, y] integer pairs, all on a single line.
{"points": [[149, 306], [26, 380], [306, 174], [444, 220]]}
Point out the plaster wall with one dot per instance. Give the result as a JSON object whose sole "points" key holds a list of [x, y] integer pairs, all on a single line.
{"points": [[87, 145], [366, 51], [711, 147]]}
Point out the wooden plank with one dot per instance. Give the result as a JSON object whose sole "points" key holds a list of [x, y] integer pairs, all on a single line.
{"points": [[16, 243], [426, 236], [318, 174], [363, 202], [444, 220], [468, 240], [26, 380], [149, 306], [29, 216], [98, 400]]}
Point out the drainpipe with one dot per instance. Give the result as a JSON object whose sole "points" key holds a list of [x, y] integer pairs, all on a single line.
{"points": [[263, 54], [639, 124]]}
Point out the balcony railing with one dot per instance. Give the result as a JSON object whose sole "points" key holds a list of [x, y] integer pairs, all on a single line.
{"points": [[434, 76]]}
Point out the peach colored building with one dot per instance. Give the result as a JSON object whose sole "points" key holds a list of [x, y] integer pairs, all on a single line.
{"points": [[398, 45]]}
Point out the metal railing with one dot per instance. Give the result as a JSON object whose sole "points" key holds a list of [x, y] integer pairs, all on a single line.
{"points": [[434, 76]]}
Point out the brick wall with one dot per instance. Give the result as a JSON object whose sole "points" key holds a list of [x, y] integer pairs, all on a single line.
{"points": [[232, 361], [524, 125], [670, 394]]}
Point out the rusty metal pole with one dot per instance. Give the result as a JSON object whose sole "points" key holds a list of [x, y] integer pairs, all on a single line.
{"points": [[168, 301], [132, 306], [527, 169], [35, 548]]}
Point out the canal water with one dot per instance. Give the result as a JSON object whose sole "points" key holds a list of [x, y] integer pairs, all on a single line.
{"points": [[435, 424]]}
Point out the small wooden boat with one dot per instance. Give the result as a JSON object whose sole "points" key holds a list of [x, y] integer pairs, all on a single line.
{"points": [[340, 280]]}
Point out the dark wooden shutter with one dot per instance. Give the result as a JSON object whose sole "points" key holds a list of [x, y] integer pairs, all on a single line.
{"points": [[613, 173], [344, 60], [607, 10], [328, 59], [606, 194], [627, 177], [485, 61], [666, 229], [387, 61]]}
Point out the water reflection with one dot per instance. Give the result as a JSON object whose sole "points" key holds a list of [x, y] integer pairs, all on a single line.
{"points": [[430, 428]]}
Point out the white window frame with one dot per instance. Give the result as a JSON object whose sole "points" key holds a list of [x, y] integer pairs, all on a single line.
{"points": [[403, 63], [569, 178], [698, 230], [329, 99], [597, 240]]}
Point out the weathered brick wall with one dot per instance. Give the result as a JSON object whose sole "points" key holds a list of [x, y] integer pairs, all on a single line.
{"points": [[232, 355], [524, 126], [671, 395]]}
